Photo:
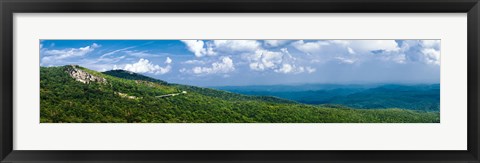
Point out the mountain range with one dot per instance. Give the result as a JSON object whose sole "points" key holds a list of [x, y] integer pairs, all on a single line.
{"points": [[425, 97], [74, 94]]}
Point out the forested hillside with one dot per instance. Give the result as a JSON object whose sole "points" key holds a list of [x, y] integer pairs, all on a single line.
{"points": [[424, 97], [78, 95]]}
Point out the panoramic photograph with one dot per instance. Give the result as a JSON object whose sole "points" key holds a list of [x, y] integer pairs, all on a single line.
{"points": [[239, 81]]}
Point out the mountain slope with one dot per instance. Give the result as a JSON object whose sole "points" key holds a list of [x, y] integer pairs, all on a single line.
{"points": [[125, 97], [204, 91]]}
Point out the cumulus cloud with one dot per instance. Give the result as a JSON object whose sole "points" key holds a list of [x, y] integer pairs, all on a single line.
{"points": [[286, 68], [236, 45], [365, 46], [225, 65], [199, 48], [431, 51], [310, 47], [254, 52], [358, 51], [285, 61], [431, 55], [211, 48], [145, 66], [426, 51], [195, 46], [289, 68], [264, 59], [350, 46], [277, 61], [435, 44]]}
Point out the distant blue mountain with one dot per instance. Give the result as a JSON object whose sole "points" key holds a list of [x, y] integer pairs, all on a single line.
{"points": [[425, 97]]}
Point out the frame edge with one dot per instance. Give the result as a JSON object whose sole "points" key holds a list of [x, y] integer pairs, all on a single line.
{"points": [[6, 74]]}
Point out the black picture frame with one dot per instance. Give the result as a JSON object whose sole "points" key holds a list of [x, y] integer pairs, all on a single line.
{"points": [[9, 7]]}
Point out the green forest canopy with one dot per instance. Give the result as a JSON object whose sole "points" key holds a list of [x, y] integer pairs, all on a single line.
{"points": [[128, 97]]}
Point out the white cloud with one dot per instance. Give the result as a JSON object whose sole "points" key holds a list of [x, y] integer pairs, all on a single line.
{"points": [[275, 43], [310, 47], [288, 68], [426, 51], [225, 65], [168, 60], [195, 46], [285, 68], [263, 59], [52, 56], [277, 61], [340, 42], [145, 66], [236, 45], [431, 55], [251, 51], [310, 69], [431, 44], [198, 48], [345, 60], [143, 54], [115, 67], [259, 55], [116, 51], [431, 51], [365, 46], [258, 58], [211, 48], [164, 70], [194, 62], [350, 50]]}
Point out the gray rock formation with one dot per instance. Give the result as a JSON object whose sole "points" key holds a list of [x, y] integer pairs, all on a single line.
{"points": [[83, 76]]}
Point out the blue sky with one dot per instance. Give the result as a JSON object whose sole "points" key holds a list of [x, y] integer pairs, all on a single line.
{"points": [[255, 62]]}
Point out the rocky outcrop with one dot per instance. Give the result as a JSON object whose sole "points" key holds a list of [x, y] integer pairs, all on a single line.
{"points": [[75, 72]]}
